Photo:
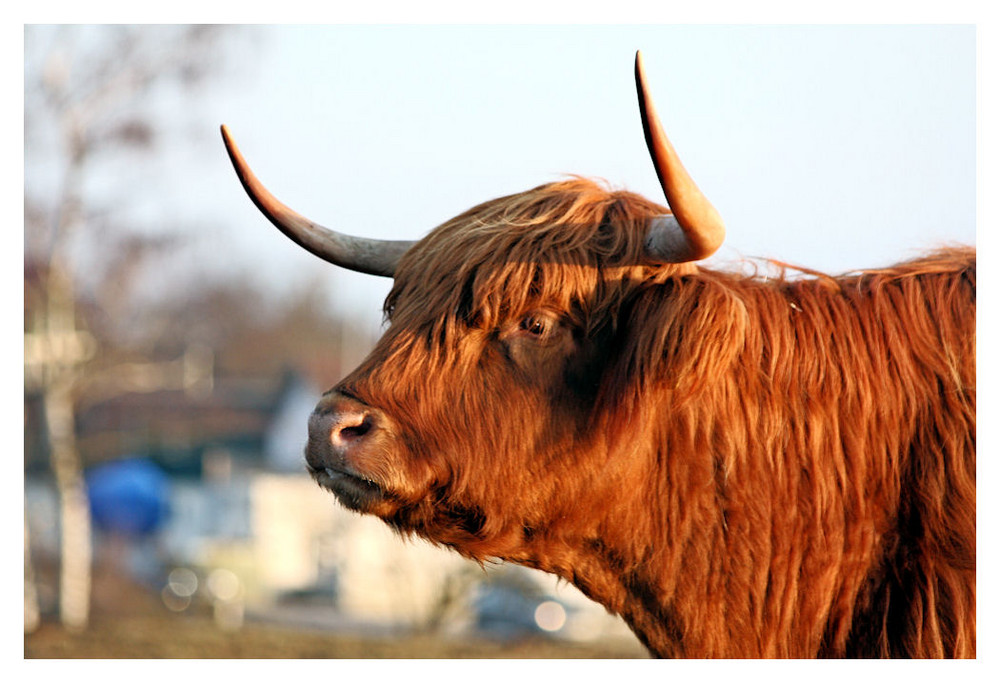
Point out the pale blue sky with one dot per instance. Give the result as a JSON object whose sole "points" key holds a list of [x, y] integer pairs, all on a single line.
{"points": [[835, 147]]}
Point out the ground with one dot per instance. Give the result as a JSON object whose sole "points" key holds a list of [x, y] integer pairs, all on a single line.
{"points": [[128, 622], [182, 637]]}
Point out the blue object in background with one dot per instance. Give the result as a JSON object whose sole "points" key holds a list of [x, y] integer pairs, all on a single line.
{"points": [[128, 496]]}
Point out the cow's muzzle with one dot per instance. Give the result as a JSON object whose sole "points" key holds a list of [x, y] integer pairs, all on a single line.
{"points": [[344, 441]]}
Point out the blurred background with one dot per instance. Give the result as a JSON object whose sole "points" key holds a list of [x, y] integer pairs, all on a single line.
{"points": [[175, 343]]}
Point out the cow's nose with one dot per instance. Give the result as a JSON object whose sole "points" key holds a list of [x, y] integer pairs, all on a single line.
{"points": [[338, 425]]}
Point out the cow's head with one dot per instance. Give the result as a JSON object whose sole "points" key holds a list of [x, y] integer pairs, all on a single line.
{"points": [[479, 420]]}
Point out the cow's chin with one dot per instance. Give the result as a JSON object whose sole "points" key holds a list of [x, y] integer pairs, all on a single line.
{"points": [[353, 491]]}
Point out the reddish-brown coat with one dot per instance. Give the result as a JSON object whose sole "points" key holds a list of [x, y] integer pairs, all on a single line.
{"points": [[740, 466]]}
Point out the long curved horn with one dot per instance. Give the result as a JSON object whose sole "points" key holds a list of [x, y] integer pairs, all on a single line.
{"points": [[375, 257], [695, 230]]}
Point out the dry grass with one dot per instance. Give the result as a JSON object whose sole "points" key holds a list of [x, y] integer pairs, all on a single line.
{"points": [[182, 637]]}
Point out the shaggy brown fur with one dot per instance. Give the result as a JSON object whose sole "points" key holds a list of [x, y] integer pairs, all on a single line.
{"points": [[739, 466]]}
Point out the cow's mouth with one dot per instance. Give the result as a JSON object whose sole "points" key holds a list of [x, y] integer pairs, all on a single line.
{"points": [[353, 490]]}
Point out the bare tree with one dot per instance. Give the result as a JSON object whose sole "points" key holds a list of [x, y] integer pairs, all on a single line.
{"points": [[87, 90]]}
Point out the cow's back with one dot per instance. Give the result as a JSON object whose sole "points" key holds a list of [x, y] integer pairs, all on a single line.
{"points": [[921, 600]]}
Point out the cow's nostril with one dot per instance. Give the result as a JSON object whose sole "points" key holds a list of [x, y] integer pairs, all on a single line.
{"points": [[351, 428], [340, 424], [350, 432]]}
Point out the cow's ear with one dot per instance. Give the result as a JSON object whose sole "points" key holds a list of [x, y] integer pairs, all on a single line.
{"points": [[680, 334]]}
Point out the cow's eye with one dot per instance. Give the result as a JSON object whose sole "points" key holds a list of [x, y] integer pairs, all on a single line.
{"points": [[538, 325]]}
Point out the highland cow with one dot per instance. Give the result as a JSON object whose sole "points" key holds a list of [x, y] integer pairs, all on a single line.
{"points": [[738, 466]]}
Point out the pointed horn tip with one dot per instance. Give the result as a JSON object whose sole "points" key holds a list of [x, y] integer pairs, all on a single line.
{"points": [[243, 171], [227, 137], [645, 101], [232, 148]]}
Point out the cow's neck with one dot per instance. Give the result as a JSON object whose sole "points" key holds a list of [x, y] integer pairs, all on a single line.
{"points": [[638, 596]]}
